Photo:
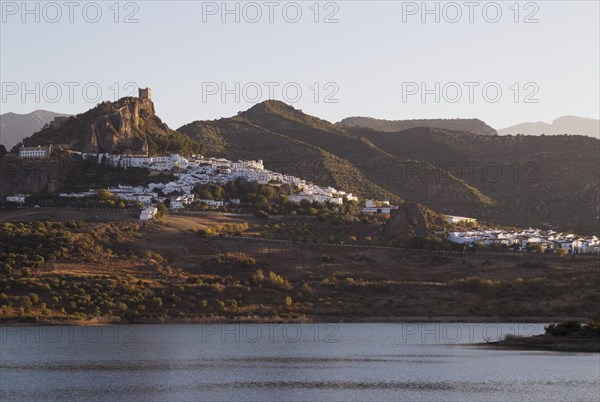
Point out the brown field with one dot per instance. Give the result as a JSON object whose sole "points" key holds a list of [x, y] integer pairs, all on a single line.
{"points": [[215, 279], [63, 215]]}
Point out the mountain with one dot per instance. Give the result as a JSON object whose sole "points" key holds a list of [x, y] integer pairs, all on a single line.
{"points": [[534, 180], [506, 180], [544, 181], [129, 124], [562, 125], [292, 142], [474, 126], [14, 127]]}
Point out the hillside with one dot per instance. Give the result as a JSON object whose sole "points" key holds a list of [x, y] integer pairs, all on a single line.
{"points": [[110, 267], [562, 125], [292, 142], [536, 181], [542, 181], [474, 126], [14, 127], [114, 127]]}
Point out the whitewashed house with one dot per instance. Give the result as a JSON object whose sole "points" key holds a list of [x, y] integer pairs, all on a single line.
{"points": [[181, 201], [378, 207], [148, 213], [453, 219]]}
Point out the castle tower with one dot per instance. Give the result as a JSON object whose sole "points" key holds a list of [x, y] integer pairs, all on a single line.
{"points": [[145, 93]]}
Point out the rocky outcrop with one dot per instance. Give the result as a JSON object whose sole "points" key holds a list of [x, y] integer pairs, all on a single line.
{"points": [[408, 221], [109, 127]]}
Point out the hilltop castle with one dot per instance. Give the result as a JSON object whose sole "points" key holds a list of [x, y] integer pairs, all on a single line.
{"points": [[145, 93]]}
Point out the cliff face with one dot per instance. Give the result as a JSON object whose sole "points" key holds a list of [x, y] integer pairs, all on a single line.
{"points": [[109, 127], [32, 176]]}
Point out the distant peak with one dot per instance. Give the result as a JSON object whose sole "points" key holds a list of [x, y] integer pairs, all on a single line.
{"points": [[273, 106]]}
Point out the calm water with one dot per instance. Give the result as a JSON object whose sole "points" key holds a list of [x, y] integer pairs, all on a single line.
{"points": [[287, 362]]}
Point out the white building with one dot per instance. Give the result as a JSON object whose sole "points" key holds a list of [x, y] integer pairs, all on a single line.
{"points": [[300, 197], [35, 152], [547, 241], [198, 170], [148, 213], [181, 201], [378, 207], [78, 195], [452, 219]]}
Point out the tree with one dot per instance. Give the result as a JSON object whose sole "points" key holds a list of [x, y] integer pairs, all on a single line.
{"points": [[261, 214], [104, 194], [162, 210], [262, 202]]}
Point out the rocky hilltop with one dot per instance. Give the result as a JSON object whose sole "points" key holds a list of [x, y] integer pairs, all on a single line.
{"points": [[474, 126], [129, 124]]}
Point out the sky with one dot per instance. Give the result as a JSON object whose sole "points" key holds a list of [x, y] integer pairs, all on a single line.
{"points": [[502, 62]]}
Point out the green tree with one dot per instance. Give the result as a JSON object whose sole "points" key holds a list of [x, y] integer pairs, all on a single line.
{"points": [[104, 194], [162, 210]]}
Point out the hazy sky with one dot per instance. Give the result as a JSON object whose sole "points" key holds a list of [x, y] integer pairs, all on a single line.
{"points": [[368, 60]]}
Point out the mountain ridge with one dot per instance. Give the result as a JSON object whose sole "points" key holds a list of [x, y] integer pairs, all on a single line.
{"points": [[573, 125], [14, 127], [551, 182], [546, 181], [474, 125]]}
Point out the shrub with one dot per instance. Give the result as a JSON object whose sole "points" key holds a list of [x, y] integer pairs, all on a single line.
{"points": [[512, 337], [563, 328], [326, 258], [258, 276], [279, 281], [260, 214]]}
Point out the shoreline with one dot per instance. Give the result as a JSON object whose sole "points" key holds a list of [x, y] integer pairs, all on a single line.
{"points": [[300, 320], [573, 343]]}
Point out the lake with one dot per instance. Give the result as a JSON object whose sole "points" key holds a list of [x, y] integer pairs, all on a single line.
{"points": [[287, 362]]}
